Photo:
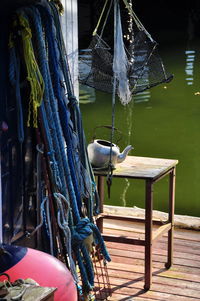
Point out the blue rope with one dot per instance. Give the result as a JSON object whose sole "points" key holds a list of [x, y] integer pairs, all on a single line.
{"points": [[46, 17], [59, 125], [86, 271], [63, 112], [83, 229], [76, 116], [54, 130], [14, 76]]}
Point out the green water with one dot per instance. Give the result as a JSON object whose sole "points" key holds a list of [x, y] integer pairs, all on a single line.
{"points": [[166, 125]]}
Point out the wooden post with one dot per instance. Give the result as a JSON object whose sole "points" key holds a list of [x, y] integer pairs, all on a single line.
{"points": [[1, 219], [172, 178], [148, 233], [69, 24]]}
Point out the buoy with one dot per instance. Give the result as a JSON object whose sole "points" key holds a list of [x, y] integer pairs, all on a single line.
{"points": [[46, 270]]}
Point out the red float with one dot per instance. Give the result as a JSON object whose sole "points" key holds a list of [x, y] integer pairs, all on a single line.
{"points": [[47, 271]]}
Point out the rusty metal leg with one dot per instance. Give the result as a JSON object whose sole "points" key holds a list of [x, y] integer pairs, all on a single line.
{"points": [[172, 177], [148, 234], [100, 186]]}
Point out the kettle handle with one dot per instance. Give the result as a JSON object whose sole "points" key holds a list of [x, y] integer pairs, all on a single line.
{"points": [[110, 128]]}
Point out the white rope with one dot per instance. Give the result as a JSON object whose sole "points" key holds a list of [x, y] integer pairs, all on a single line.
{"points": [[62, 217], [120, 61]]}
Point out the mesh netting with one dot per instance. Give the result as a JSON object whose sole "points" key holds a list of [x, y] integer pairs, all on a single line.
{"points": [[145, 67]]}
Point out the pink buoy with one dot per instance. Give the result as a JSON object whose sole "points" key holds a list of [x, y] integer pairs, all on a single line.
{"points": [[45, 269]]}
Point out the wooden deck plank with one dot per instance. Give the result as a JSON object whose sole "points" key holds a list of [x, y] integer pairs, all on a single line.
{"points": [[126, 270], [157, 287], [173, 272], [192, 244], [139, 229], [134, 226], [156, 258], [159, 279], [160, 249]]}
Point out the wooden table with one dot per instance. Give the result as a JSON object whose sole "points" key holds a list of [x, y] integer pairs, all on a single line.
{"points": [[150, 170]]}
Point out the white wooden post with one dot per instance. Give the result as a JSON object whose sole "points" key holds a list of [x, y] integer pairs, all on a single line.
{"points": [[69, 24], [1, 219]]}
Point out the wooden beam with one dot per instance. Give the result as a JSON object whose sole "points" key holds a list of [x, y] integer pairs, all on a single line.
{"points": [[69, 24], [1, 219], [123, 239], [127, 218], [160, 231]]}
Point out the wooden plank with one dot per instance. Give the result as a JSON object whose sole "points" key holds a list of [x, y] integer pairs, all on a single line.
{"points": [[188, 235], [179, 246], [127, 219], [157, 279], [69, 23], [124, 233], [157, 265], [155, 295], [1, 215], [118, 297], [160, 249], [158, 262], [159, 286], [160, 231], [131, 255], [193, 235], [182, 235], [174, 272], [123, 239]]}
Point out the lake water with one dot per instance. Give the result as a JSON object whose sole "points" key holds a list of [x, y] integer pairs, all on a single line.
{"points": [[163, 122]]}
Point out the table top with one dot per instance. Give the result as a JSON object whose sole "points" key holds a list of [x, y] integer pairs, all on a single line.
{"points": [[140, 168]]}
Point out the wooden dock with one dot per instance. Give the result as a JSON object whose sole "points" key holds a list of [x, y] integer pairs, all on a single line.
{"points": [[126, 270]]}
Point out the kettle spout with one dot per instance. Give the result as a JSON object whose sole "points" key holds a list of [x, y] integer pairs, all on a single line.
{"points": [[121, 157]]}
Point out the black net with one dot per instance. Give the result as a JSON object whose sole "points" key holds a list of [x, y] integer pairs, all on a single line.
{"points": [[145, 66]]}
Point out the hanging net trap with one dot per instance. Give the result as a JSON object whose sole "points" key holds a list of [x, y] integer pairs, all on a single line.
{"points": [[136, 66]]}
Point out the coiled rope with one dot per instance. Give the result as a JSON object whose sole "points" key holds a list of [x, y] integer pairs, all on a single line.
{"points": [[61, 124]]}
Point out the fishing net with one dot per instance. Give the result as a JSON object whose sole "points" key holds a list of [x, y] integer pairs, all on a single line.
{"points": [[145, 68]]}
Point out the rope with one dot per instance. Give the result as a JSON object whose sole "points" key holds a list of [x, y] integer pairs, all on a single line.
{"points": [[87, 172], [99, 21], [110, 165], [63, 113], [14, 71], [137, 21], [49, 98], [89, 269], [63, 224], [33, 73], [44, 219], [87, 221], [58, 125], [49, 227]]}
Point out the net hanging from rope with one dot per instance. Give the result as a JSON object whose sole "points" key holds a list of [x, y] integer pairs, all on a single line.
{"points": [[144, 68]]}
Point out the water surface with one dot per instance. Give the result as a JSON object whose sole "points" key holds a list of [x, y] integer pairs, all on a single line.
{"points": [[164, 122]]}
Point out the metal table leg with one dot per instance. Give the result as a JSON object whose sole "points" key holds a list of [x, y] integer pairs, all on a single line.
{"points": [[148, 233], [100, 187], [172, 177]]}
